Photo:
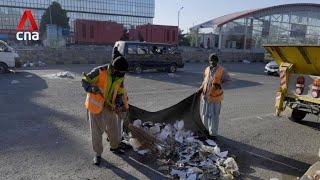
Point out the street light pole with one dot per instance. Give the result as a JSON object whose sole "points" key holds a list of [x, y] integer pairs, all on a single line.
{"points": [[179, 16]]}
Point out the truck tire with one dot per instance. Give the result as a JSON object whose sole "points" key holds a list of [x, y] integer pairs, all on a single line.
{"points": [[3, 68], [297, 115], [172, 68], [138, 69]]}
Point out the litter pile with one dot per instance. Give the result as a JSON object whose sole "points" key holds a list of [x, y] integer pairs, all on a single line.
{"points": [[34, 64], [186, 156], [65, 74]]}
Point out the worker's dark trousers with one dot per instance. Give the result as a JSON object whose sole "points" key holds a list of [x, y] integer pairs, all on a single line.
{"points": [[109, 122]]}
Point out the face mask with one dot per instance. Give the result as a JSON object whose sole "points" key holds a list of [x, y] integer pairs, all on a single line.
{"points": [[213, 64]]}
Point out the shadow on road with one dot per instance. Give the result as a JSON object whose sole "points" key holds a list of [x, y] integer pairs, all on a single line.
{"points": [[249, 156], [147, 165], [38, 135], [311, 124], [120, 172]]}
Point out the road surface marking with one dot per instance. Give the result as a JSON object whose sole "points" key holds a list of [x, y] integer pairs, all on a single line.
{"points": [[259, 116], [163, 92]]}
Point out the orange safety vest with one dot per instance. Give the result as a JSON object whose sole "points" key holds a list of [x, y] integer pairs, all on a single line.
{"points": [[95, 102], [213, 94]]}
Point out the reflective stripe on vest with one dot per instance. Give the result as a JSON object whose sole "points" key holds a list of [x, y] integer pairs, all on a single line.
{"points": [[96, 103]]}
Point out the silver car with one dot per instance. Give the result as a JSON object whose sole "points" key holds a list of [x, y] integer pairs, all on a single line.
{"points": [[272, 68]]}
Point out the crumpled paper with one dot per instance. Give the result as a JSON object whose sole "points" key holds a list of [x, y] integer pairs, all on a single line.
{"points": [[189, 157]]}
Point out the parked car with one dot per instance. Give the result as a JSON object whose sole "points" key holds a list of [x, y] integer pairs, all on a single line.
{"points": [[272, 68], [142, 56], [8, 58]]}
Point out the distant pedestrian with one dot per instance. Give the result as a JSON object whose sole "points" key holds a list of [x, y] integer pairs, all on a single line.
{"points": [[212, 95]]}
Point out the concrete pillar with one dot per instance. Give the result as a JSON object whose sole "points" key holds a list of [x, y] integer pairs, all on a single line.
{"points": [[245, 34], [197, 37], [220, 39], [220, 43]]}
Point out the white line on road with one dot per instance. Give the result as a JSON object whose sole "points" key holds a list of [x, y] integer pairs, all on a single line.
{"points": [[259, 116], [162, 92]]}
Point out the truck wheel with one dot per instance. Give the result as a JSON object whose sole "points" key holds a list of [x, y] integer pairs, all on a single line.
{"points": [[138, 69], [3, 68], [297, 115], [172, 68]]}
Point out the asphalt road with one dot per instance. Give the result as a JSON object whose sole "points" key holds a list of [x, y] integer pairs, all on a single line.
{"points": [[44, 133]]}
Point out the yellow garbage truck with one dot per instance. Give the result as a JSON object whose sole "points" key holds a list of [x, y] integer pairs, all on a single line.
{"points": [[299, 69]]}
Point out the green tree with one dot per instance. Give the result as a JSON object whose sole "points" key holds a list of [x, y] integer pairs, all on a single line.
{"points": [[184, 39], [54, 14]]}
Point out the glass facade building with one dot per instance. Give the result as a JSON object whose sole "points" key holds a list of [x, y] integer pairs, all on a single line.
{"points": [[127, 12], [284, 24]]}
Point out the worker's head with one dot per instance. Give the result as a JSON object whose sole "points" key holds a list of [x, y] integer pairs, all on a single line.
{"points": [[213, 60], [119, 66]]}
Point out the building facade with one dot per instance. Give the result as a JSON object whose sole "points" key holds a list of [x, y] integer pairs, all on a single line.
{"points": [[249, 30], [127, 12]]}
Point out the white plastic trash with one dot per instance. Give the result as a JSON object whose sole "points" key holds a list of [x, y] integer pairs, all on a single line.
{"points": [[143, 152], [211, 142], [15, 82], [179, 125], [223, 154], [137, 123]]}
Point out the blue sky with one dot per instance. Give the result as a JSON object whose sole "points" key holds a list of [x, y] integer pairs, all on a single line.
{"points": [[198, 11]]}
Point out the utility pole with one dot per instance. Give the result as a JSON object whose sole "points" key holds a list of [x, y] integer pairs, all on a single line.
{"points": [[179, 16], [50, 13]]}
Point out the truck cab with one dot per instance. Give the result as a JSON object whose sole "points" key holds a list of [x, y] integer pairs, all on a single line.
{"points": [[299, 71], [8, 58]]}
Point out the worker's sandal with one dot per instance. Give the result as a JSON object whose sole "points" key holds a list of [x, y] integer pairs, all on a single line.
{"points": [[97, 160]]}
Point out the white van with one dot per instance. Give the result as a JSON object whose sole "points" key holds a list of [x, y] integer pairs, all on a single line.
{"points": [[8, 58]]}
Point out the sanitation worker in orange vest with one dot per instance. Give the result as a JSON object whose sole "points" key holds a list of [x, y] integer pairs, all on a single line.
{"points": [[104, 86], [212, 95]]}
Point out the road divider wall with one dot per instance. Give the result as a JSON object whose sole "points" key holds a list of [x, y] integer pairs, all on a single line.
{"points": [[102, 54]]}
